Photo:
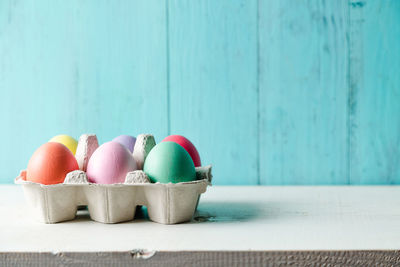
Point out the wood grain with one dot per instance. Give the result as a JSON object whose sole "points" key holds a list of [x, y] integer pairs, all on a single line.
{"points": [[239, 218], [122, 57], [75, 67], [206, 258], [270, 91], [213, 84], [303, 92], [375, 92]]}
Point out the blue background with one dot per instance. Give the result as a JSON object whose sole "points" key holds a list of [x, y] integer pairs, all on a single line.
{"points": [[270, 92]]}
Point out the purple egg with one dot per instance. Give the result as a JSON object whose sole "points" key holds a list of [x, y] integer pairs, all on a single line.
{"points": [[127, 141]]}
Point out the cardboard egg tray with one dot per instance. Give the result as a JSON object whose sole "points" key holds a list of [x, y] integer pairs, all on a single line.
{"points": [[114, 203]]}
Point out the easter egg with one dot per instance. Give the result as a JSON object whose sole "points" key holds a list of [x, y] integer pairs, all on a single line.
{"points": [[110, 163], [67, 141], [127, 141], [187, 145], [50, 163], [168, 162]]}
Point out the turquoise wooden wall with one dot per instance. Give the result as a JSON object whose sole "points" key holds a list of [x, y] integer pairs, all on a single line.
{"points": [[270, 91]]}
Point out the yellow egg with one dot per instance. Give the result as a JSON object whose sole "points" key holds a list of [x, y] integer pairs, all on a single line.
{"points": [[67, 141]]}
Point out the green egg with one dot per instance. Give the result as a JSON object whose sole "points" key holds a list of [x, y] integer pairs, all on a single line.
{"points": [[168, 162]]}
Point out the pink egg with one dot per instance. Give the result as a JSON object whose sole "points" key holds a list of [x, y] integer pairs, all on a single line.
{"points": [[110, 163]]}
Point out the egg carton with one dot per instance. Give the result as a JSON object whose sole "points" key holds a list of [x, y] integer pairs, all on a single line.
{"points": [[113, 203]]}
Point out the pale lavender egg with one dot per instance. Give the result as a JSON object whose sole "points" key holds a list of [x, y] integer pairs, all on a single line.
{"points": [[110, 163], [127, 141]]}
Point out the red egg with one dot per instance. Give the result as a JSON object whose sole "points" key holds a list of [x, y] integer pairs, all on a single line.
{"points": [[50, 164], [187, 145]]}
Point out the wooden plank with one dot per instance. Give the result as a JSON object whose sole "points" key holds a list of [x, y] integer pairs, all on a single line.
{"points": [[74, 67], [213, 84], [375, 92], [303, 92], [296, 118], [237, 218], [206, 258]]}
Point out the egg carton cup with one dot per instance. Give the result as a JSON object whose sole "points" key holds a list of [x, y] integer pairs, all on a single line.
{"points": [[113, 203]]}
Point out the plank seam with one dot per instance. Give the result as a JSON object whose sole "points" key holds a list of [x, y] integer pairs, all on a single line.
{"points": [[355, 67], [167, 47], [258, 93], [349, 92]]}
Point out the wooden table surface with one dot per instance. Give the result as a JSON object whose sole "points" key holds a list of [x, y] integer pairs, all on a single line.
{"points": [[262, 224]]}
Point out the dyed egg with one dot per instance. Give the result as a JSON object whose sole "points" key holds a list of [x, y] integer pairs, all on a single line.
{"points": [[127, 141], [50, 164], [187, 145], [67, 141], [110, 163], [168, 162]]}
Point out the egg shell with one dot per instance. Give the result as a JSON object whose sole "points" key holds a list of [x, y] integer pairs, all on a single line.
{"points": [[110, 163], [127, 141], [67, 141], [50, 163], [168, 162], [187, 145]]}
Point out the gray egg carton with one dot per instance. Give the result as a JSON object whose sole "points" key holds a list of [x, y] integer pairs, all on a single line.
{"points": [[114, 203]]}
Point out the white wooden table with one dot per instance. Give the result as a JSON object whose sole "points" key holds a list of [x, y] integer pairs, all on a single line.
{"points": [[233, 225]]}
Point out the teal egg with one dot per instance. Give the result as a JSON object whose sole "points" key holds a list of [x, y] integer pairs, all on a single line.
{"points": [[168, 162]]}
